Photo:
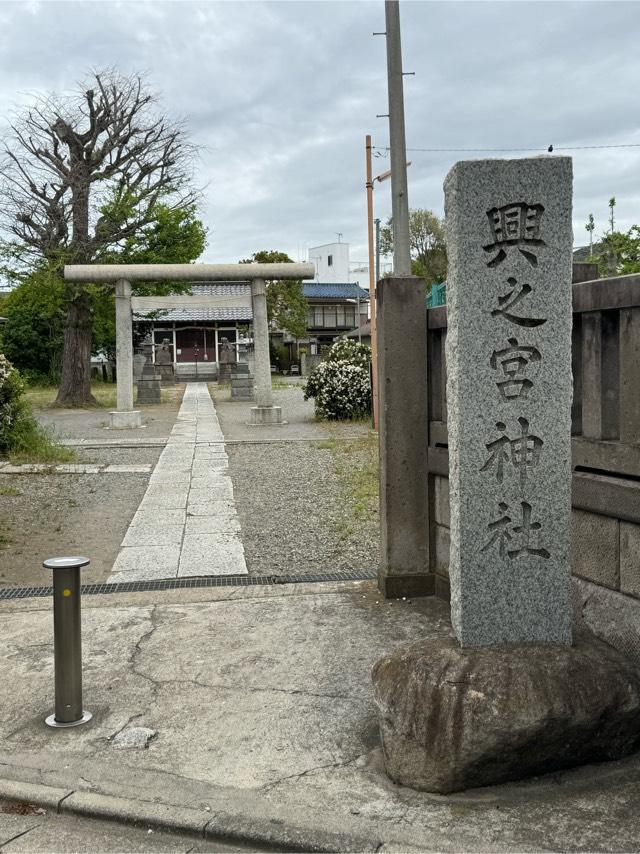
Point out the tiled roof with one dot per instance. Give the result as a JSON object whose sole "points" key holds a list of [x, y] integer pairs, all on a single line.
{"points": [[222, 289], [200, 313], [334, 290]]}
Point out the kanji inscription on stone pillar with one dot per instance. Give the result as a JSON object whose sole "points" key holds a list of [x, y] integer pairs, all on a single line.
{"points": [[509, 242]]}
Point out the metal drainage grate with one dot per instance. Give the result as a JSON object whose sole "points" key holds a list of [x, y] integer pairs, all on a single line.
{"points": [[203, 581]]}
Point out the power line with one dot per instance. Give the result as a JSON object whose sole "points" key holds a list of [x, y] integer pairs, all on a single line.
{"points": [[548, 148]]}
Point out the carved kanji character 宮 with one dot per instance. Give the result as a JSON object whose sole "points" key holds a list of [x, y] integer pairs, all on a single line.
{"points": [[514, 361]]}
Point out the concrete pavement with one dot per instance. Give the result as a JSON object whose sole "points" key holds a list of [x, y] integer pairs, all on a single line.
{"points": [[246, 715]]}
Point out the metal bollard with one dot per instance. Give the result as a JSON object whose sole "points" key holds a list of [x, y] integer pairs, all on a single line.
{"points": [[67, 641]]}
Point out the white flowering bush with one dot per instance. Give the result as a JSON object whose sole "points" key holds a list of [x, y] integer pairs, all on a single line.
{"points": [[21, 438], [11, 404], [340, 385]]}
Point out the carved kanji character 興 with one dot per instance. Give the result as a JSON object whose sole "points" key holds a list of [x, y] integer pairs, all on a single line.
{"points": [[518, 225]]}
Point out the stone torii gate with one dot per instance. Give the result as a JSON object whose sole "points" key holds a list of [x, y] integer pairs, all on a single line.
{"points": [[122, 275]]}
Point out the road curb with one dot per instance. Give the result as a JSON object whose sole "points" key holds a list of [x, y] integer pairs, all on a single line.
{"points": [[217, 825]]}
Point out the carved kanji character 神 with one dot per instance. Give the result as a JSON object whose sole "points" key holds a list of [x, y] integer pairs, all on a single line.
{"points": [[523, 452], [515, 225]]}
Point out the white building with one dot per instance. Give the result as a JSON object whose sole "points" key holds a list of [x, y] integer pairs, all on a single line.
{"points": [[332, 262]]}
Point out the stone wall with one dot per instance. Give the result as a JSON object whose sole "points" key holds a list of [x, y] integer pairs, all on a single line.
{"points": [[605, 550]]}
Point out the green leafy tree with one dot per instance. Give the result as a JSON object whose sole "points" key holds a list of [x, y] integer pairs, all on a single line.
{"points": [[80, 176], [287, 307], [427, 243], [33, 336], [618, 253], [590, 227]]}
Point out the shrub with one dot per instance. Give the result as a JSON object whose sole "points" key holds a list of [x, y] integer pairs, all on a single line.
{"points": [[20, 435], [341, 385], [12, 406]]}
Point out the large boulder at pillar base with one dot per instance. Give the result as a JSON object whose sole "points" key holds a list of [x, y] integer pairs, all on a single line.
{"points": [[453, 718]]}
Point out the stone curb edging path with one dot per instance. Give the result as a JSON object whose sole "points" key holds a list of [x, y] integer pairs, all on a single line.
{"points": [[215, 824], [186, 524], [75, 468]]}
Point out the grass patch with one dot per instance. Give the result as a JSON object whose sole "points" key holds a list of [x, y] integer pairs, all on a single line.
{"points": [[5, 536], [44, 396], [9, 490], [355, 461], [34, 444]]}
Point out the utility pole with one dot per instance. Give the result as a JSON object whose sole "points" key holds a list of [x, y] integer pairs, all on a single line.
{"points": [[377, 250], [372, 284], [399, 194]]}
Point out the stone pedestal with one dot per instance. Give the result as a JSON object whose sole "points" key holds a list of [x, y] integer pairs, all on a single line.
{"points": [[148, 390], [149, 382], [242, 387], [125, 420], [167, 374], [239, 369], [224, 372], [266, 416], [453, 718]]}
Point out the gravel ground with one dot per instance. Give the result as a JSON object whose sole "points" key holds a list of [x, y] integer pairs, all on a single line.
{"points": [[298, 412], [292, 504], [44, 515], [94, 423], [292, 511], [120, 456]]}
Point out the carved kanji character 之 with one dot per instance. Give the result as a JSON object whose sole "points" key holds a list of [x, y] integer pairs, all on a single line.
{"points": [[515, 225], [510, 300]]}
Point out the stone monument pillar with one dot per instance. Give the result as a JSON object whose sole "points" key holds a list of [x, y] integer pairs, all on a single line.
{"points": [[125, 417], [512, 696], [509, 398], [265, 413]]}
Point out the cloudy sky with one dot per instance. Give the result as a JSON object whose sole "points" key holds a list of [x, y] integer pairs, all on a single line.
{"points": [[280, 96]]}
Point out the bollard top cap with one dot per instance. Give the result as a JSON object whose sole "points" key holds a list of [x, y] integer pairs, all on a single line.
{"points": [[65, 562]]}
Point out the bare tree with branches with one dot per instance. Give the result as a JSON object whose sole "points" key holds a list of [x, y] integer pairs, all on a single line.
{"points": [[81, 174]]}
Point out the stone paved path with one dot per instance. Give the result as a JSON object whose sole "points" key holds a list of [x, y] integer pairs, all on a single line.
{"points": [[186, 524]]}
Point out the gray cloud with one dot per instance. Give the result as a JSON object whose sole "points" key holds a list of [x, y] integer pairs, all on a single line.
{"points": [[281, 94]]}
